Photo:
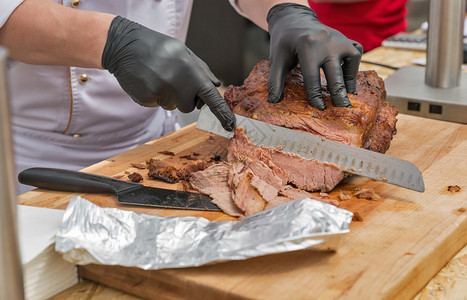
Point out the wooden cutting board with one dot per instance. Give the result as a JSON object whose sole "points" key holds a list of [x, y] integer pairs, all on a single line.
{"points": [[405, 237]]}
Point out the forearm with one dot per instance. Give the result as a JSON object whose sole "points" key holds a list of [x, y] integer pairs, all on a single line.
{"points": [[43, 32], [257, 10]]}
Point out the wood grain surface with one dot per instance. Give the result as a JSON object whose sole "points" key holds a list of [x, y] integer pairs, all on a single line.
{"points": [[405, 237], [404, 240]]}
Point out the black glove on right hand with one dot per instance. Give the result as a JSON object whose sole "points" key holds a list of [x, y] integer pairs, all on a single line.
{"points": [[157, 70], [298, 36]]}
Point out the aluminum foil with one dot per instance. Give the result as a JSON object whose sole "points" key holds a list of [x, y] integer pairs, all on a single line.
{"points": [[91, 234]]}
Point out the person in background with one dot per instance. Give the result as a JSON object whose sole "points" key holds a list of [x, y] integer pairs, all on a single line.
{"points": [[368, 22], [92, 79]]}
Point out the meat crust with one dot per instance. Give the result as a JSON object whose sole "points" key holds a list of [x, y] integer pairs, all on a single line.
{"points": [[370, 123]]}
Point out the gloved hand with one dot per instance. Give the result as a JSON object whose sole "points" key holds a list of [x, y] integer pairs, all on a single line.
{"points": [[297, 36], [157, 70]]}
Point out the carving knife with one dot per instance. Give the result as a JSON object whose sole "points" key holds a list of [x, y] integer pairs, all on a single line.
{"points": [[127, 192], [348, 158]]}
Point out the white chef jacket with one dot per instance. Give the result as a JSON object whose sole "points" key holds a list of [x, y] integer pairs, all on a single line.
{"points": [[69, 117]]}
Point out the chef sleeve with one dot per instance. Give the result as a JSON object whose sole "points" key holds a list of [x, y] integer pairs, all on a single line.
{"points": [[6, 9]]}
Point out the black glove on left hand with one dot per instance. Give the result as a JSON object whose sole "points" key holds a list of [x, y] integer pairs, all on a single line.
{"points": [[298, 36], [157, 70]]}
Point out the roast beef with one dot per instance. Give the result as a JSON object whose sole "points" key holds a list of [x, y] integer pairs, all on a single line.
{"points": [[245, 187], [257, 178], [370, 123]]}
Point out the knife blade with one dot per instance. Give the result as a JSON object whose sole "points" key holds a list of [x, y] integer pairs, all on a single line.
{"points": [[348, 158], [127, 192]]}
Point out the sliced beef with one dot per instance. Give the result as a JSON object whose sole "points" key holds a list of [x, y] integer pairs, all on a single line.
{"points": [[240, 148], [253, 185], [308, 174], [245, 195], [303, 173], [267, 174], [213, 181], [243, 188]]}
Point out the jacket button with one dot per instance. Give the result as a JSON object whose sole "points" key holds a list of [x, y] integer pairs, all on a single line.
{"points": [[83, 78], [76, 135], [75, 3]]}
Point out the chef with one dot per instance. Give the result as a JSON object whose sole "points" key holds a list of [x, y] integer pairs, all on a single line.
{"points": [[93, 78]]}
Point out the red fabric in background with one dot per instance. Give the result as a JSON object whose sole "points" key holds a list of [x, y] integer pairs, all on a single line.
{"points": [[368, 22]]}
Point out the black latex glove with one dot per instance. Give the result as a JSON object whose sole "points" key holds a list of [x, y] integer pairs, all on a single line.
{"points": [[297, 36], [157, 70]]}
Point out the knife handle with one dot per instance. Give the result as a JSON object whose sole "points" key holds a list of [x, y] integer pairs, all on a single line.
{"points": [[70, 181]]}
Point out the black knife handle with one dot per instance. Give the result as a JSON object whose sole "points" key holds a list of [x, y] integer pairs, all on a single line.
{"points": [[71, 181]]}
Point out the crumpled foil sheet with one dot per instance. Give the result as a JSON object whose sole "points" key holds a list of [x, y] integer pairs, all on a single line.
{"points": [[111, 236]]}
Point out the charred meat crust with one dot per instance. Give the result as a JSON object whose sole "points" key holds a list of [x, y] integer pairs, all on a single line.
{"points": [[370, 123]]}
